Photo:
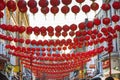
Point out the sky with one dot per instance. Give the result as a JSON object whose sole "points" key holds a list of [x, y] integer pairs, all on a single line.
{"points": [[40, 19]]}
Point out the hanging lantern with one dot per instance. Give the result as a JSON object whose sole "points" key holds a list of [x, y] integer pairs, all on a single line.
{"points": [[33, 42], [1, 14], [34, 10], [11, 5], [78, 33], [21, 4], [115, 18], [43, 29], [45, 10], [23, 10], [2, 5], [36, 30], [51, 34], [50, 29], [106, 6], [80, 1], [32, 3], [75, 9], [65, 10], [94, 6], [57, 34], [82, 26], [85, 8], [54, 10], [71, 33], [27, 41], [21, 40], [43, 3], [66, 2], [73, 27], [90, 24], [64, 34], [54, 3], [97, 21], [29, 30], [58, 29], [116, 5], [106, 21], [21, 29], [65, 28]]}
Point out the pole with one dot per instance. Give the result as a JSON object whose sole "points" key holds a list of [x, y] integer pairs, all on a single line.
{"points": [[110, 63]]}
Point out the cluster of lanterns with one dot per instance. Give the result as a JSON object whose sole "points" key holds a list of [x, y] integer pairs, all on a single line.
{"points": [[41, 59], [23, 6]]}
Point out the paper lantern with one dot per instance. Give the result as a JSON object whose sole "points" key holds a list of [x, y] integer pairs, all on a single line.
{"points": [[80, 1], [73, 27], [105, 6], [116, 5], [66, 2], [85, 8], [51, 34], [57, 34], [2, 5], [21, 40], [29, 30], [115, 18], [106, 21], [43, 3], [21, 29], [54, 10], [32, 4], [11, 5], [58, 29], [54, 3], [33, 42], [94, 6], [81, 25], [50, 29], [45, 10], [75, 9], [21, 4], [34, 10], [64, 34], [65, 9], [71, 33], [97, 21], [23, 9], [90, 24], [65, 28], [78, 33], [36, 30], [27, 41]]}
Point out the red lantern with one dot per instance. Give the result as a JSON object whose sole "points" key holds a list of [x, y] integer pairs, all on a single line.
{"points": [[51, 34], [64, 34], [115, 18], [44, 33], [23, 10], [21, 29], [54, 10], [75, 9], [34, 10], [65, 9], [73, 27], [87, 38], [71, 33], [50, 29], [58, 29], [97, 21], [106, 6], [78, 33], [21, 40], [117, 27], [65, 28], [90, 24], [43, 3], [43, 29], [32, 3], [57, 34], [45, 10], [29, 30], [2, 5], [89, 32], [116, 5], [27, 41], [36, 30], [33, 42], [54, 3], [85, 8], [21, 4], [94, 6], [106, 21], [15, 39], [80, 1], [82, 26], [66, 2], [1, 14], [11, 5]]}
